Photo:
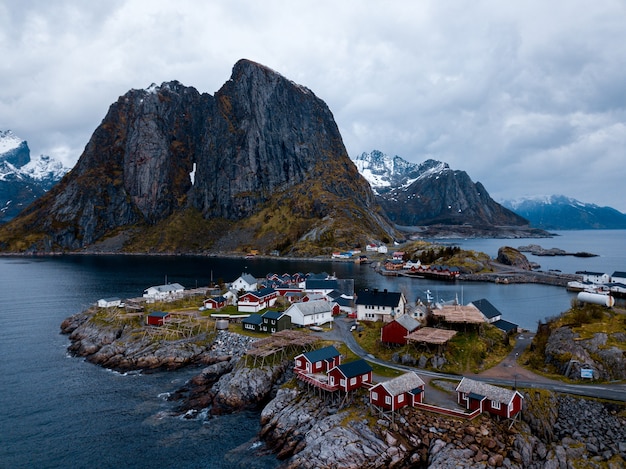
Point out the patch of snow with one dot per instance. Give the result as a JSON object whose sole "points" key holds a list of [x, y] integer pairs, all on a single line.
{"points": [[8, 141], [44, 167], [192, 174]]}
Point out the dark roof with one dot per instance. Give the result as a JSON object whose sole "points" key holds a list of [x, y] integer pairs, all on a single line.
{"points": [[158, 314], [218, 299], [585, 272], [505, 326], [326, 353], [378, 298], [619, 274], [256, 319], [355, 368], [261, 293], [314, 284], [488, 310], [272, 314], [341, 301]]}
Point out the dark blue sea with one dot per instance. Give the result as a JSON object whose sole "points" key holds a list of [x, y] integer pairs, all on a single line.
{"points": [[57, 411]]}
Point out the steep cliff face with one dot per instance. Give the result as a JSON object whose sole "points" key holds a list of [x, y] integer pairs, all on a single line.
{"points": [[263, 158]]}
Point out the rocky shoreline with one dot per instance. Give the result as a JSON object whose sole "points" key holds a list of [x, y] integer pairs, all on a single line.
{"points": [[304, 432]]}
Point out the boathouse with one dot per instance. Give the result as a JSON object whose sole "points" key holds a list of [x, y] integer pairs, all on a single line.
{"points": [[404, 390], [318, 361], [499, 401], [350, 376]]}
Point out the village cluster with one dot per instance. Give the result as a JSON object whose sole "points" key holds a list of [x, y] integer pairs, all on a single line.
{"points": [[315, 300], [600, 283], [397, 265], [322, 370]]}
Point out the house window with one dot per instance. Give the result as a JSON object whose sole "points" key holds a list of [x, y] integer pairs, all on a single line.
{"points": [[343, 382], [364, 378], [388, 400], [495, 405], [374, 396], [352, 381], [401, 398]]}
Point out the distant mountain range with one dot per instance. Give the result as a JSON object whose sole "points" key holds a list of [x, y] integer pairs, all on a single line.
{"points": [[22, 179], [431, 193], [557, 212]]}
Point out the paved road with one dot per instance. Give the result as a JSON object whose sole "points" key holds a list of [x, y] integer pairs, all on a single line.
{"points": [[507, 373]]}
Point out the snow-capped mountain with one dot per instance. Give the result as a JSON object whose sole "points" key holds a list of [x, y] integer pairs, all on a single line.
{"points": [[384, 172], [431, 193], [558, 212], [23, 180]]}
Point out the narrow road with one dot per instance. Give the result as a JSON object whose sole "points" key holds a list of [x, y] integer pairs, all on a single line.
{"points": [[507, 373]]}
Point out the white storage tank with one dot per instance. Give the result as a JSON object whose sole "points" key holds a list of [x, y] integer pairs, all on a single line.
{"points": [[221, 324], [596, 299]]}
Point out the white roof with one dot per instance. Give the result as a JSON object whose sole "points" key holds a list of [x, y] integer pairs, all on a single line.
{"points": [[308, 308], [493, 393], [403, 383], [170, 287]]}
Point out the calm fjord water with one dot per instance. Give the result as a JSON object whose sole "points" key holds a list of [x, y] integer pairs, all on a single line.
{"points": [[58, 411]]}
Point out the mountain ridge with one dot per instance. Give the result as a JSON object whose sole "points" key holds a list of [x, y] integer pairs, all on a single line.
{"points": [[431, 193], [559, 212]]}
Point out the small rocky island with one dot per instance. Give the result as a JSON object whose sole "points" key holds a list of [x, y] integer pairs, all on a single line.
{"points": [[305, 431], [537, 250]]}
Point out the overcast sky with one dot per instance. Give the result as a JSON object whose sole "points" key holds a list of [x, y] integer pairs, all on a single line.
{"points": [[528, 97]]}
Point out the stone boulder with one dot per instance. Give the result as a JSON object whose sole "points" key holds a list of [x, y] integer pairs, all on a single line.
{"points": [[511, 256]]}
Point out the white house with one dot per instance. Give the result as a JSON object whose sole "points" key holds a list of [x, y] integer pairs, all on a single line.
{"points": [[375, 305], [109, 302], [594, 277], [618, 277], [245, 282], [164, 292], [311, 313]]}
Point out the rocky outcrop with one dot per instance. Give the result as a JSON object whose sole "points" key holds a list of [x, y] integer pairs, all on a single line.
{"points": [[125, 347], [307, 432], [261, 147], [513, 257], [569, 353], [537, 250]]}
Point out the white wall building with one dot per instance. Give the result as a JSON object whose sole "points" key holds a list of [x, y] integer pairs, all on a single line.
{"points": [[311, 313]]}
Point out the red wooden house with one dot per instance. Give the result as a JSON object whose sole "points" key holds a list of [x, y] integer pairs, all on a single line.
{"points": [[395, 332], [255, 301], [318, 361], [493, 399], [405, 390], [215, 302], [351, 376], [157, 318]]}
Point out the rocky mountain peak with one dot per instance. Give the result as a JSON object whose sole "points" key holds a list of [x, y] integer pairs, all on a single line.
{"points": [[430, 193], [23, 180], [262, 157]]}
